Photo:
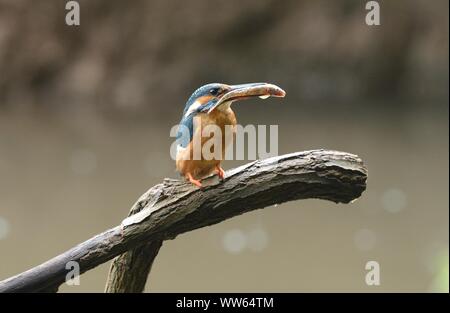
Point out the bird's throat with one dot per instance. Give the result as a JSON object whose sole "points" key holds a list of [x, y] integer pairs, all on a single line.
{"points": [[223, 107]]}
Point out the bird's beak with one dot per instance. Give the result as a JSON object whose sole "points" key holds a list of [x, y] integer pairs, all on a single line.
{"points": [[247, 91]]}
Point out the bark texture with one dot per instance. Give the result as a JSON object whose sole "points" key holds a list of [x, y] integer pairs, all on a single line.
{"points": [[175, 207]]}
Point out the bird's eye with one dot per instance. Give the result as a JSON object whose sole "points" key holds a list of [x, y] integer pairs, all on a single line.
{"points": [[214, 91]]}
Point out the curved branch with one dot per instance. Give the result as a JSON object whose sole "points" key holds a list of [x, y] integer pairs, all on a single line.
{"points": [[175, 207]]}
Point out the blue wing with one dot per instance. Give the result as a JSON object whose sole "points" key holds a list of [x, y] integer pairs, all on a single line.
{"points": [[184, 137]]}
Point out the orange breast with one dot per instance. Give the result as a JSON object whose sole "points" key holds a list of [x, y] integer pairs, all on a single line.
{"points": [[201, 168]]}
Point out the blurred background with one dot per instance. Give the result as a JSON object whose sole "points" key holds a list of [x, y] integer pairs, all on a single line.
{"points": [[85, 115]]}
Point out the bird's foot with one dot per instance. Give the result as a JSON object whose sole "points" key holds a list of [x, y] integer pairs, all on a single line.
{"points": [[194, 181], [220, 172]]}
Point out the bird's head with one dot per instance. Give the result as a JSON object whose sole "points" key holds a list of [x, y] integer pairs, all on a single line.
{"points": [[217, 96]]}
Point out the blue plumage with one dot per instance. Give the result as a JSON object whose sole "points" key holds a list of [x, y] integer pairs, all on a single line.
{"points": [[184, 138], [202, 91], [187, 121]]}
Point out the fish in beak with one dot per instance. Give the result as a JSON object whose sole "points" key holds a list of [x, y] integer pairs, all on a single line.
{"points": [[248, 91]]}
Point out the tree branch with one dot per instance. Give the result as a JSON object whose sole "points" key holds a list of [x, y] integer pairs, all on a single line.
{"points": [[129, 271], [175, 207]]}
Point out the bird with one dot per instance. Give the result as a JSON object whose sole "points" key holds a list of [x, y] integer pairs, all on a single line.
{"points": [[211, 105]]}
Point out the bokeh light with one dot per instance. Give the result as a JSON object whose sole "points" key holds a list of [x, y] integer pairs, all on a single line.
{"points": [[4, 228], [234, 241], [365, 239], [393, 200]]}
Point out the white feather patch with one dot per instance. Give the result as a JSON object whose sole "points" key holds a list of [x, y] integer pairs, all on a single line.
{"points": [[180, 149], [194, 106]]}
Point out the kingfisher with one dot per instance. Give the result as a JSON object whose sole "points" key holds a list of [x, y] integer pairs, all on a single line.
{"points": [[211, 105]]}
